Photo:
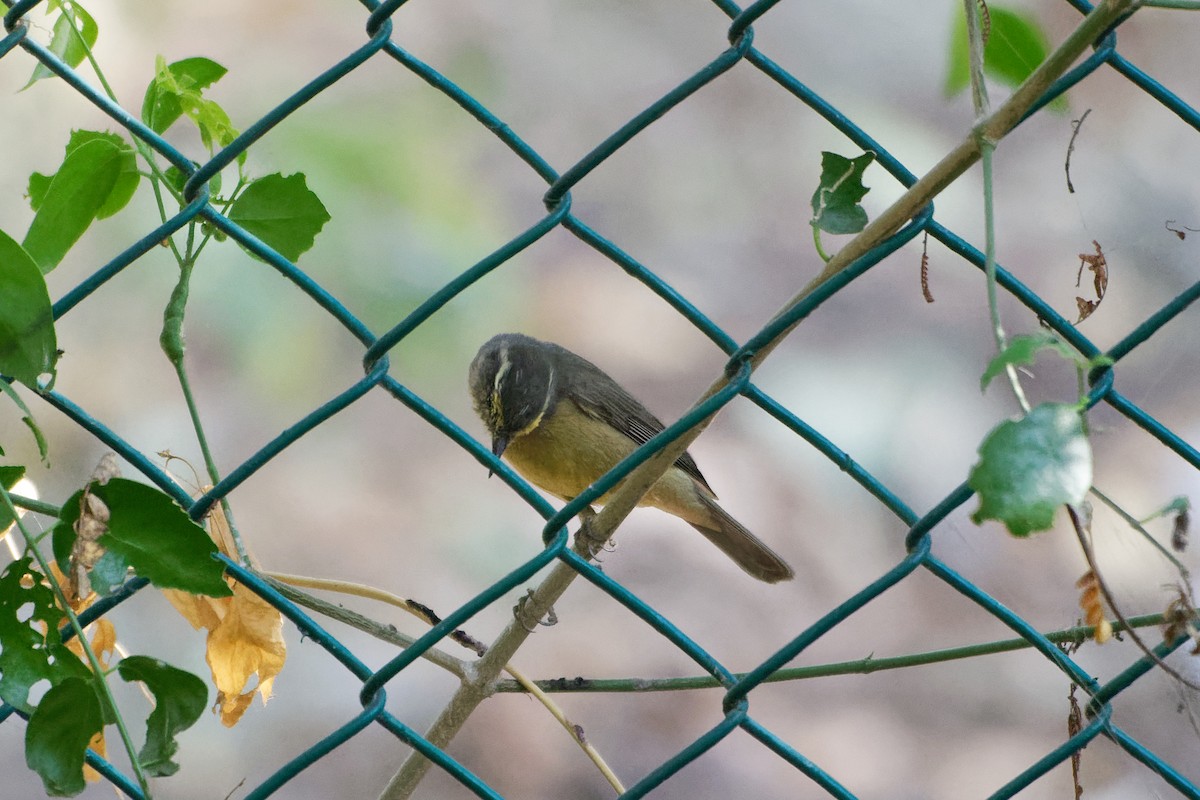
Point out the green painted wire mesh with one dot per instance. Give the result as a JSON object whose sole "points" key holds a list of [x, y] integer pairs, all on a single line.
{"points": [[583, 187]]}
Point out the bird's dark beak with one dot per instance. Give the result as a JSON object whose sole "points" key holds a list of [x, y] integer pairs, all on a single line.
{"points": [[499, 445]]}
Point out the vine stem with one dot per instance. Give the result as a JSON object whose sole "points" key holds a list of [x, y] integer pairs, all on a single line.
{"points": [[186, 261], [157, 176], [98, 672], [987, 149], [209, 463], [861, 666]]}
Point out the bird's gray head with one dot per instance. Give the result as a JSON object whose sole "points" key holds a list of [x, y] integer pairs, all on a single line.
{"points": [[512, 383]]}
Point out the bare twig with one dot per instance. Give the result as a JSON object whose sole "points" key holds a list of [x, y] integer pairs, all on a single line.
{"points": [[1075, 126], [1090, 555]]}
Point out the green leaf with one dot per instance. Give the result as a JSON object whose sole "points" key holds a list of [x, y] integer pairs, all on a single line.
{"points": [[8, 479], [835, 203], [179, 700], [1023, 351], [126, 183], [62, 535], [214, 124], [282, 212], [153, 535], [108, 573], [177, 90], [39, 184], [1030, 467], [74, 35], [77, 193], [30, 422], [1015, 47], [27, 655], [175, 87], [38, 436], [28, 347], [58, 733]]}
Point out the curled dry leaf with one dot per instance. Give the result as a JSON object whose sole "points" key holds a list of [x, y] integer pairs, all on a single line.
{"points": [[249, 640], [1180, 619], [245, 635], [106, 469], [1092, 603], [87, 550], [91, 525], [1180, 233], [1179, 530], [1099, 269], [928, 295], [1074, 726]]}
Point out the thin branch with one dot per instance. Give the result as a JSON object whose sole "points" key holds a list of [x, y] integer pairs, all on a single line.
{"points": [[1075, 126], [286, 585], [1090, 555], [384, 632], [575, 731], [35, 505], [861, 666], [537, 603]]}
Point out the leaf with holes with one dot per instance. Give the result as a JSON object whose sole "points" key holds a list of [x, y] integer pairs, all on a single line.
{"points": [[177, 88], [835, 204], [31, 649], [1029, 468]]}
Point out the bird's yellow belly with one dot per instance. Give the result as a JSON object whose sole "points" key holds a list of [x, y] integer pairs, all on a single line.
{"points": [[569, 450]]}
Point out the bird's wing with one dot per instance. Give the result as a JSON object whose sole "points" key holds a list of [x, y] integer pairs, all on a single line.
{"points": [[623, 412]]}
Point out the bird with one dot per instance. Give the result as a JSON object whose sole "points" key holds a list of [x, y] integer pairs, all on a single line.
{"points": [[562, 423]]}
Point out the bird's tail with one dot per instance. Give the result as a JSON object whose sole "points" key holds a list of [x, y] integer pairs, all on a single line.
{"points": [[747, 550]]}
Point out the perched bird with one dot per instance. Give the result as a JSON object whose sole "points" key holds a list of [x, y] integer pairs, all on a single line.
{"points": [[562, 423]]}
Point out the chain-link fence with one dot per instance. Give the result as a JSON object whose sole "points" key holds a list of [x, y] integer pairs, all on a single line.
{"points": [[736, 714]]}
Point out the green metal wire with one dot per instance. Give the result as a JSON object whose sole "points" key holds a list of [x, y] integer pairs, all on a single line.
{"points": [[739, 692]]}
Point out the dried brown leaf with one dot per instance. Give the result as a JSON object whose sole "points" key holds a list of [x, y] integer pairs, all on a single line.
{"points": [[248, 641], [245, 634], [1179, 530], [928, 295], [1098, 266], [200, 611], [91, 525], [1091, 600]]}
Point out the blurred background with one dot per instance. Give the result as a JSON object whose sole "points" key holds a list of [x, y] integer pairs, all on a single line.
{"points": [[714, 198]]}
